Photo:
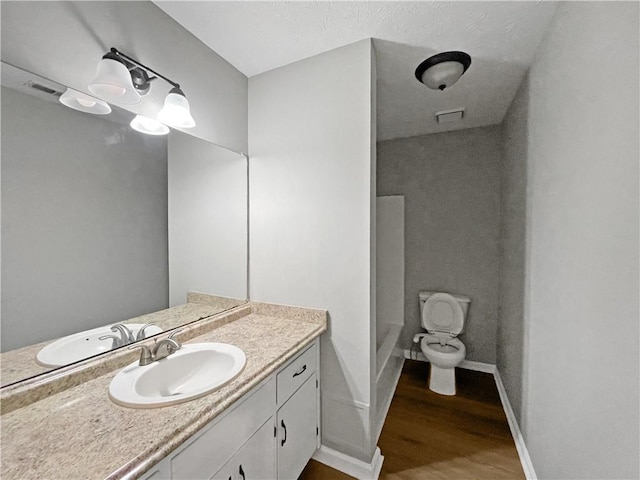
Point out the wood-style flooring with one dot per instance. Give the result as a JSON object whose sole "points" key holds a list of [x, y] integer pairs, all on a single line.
{"points": [[431, 436]]}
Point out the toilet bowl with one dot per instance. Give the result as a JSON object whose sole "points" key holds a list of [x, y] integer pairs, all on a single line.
{"points": [[443, 316]]}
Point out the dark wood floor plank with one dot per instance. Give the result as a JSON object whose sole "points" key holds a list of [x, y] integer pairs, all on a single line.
{"points": [[431, 436]]}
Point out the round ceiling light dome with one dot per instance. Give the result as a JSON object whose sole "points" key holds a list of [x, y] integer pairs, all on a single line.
{"points": [[443, 69]]}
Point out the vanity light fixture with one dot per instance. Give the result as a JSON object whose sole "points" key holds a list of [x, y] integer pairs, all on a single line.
{"points": [[148, 125], [114, 81], [84, 103], [175, 111], [442, 70], [123, 80]]}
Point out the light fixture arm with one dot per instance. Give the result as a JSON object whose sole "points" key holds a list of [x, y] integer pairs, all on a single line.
{"points": [[136, 63]]}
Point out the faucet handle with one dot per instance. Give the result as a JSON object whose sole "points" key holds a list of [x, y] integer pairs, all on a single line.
{"points": [[146, 357], [164, 348], [173, 334], [140, 335], [115, 340]]}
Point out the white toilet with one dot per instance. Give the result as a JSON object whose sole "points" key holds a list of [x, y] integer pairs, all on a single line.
{"points": [[443, 317]]}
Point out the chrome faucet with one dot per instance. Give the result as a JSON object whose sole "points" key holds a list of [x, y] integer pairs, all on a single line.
{"points": [[141, 335], [126, 335], [160, 349], [164, 348]]}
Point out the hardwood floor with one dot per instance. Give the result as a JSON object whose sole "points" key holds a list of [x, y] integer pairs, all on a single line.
{"points": [[431, 436]]}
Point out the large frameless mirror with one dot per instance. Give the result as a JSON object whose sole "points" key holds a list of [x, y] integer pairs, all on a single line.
{"points": [[103, 225]]}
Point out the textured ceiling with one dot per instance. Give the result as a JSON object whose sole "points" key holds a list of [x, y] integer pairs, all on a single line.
{"points": [[501, 37]]}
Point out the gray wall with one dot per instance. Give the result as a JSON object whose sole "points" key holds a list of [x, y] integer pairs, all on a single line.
{"points": [[64, 41], [510, 334], [84, 221], [574, 129], [451, 184]]}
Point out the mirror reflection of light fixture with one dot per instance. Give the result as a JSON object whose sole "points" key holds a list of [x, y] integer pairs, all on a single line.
{"points": [[443, 69], [148, 125], [122, 79], [84, 103], [175, 111]]}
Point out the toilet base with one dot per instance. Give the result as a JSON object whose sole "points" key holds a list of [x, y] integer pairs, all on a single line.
{"points": [[442, 380]]}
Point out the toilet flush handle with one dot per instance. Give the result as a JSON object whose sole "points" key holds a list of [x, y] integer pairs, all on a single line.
{"points": [[418, 337]]}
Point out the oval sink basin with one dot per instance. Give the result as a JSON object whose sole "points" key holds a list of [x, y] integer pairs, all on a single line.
{"points": [[79, 346], [193, 371]]}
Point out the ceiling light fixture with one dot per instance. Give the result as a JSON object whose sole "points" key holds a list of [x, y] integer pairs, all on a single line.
{"points": [[123, 80], [148, 125], [84, 103], [443, 69]]}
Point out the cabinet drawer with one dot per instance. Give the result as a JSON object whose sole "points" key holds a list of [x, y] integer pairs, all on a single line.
{"points": [[294, 375], [213, 448]]}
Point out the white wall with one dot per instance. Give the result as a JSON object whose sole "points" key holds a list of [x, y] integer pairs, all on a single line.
{"points": [[580, 407], [310, 220], [207, 219], [64, 41]]}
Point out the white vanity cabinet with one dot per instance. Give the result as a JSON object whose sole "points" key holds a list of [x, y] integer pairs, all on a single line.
{"points": [[270, 434], [297, 417], [297, 432], [255, 460]]}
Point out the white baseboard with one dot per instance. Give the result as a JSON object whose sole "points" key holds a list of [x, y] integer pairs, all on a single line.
{"points": [[349, 465], [478, 366], [523, 453], [466, 364]]}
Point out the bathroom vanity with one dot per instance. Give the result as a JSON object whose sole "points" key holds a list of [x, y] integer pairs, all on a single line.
{"points": [[263, 424], [271, 433]]}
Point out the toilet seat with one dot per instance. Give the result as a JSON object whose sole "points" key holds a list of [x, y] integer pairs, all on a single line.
{"points": [[442, 314], [442, 355]]}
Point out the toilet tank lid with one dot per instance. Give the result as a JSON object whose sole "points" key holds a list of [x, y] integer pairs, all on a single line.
{"points": [[460, 298]]}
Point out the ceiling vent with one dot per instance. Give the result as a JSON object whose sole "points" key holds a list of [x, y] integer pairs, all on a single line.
{"points": [[450, 116], [43, 88]]}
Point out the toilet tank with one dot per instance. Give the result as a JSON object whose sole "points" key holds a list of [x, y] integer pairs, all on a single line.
{"points": [[462, 300]]}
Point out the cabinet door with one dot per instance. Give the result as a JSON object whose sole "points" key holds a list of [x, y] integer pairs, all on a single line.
{"points": [[228, 472], [297, 430], [256, 460], [210, 450]]}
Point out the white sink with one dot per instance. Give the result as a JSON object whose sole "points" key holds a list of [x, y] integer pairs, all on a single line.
{"points": [[193, 371], [79, 346]]}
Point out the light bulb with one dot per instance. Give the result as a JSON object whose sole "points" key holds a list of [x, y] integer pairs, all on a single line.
{"points": [[86, 103]]}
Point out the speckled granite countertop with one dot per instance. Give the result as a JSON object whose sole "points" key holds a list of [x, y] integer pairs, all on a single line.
{"points": [[80, 433], [20, 364]]}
